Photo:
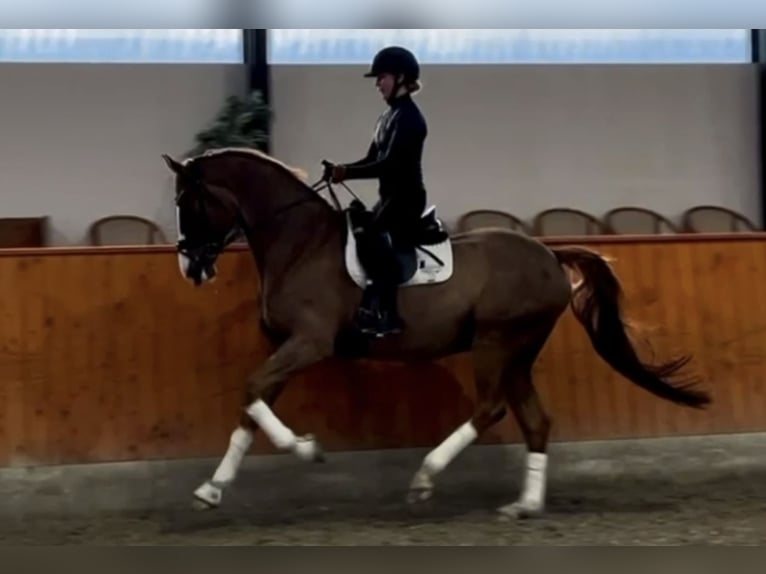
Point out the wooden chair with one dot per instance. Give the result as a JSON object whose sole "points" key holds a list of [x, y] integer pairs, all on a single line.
{"points": [[715, 219], [637, 221], [125, 230], [566, 221], [483, 218]]}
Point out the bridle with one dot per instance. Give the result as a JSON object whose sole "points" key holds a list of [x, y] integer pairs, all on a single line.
{"points": [[203, 255], [210, 249]]}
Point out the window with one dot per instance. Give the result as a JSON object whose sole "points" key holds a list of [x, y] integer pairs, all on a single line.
{"points": [[121, 45], [507, 46]]}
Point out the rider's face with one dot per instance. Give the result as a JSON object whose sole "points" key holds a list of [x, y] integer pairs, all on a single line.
{"points": [[385, 84]]}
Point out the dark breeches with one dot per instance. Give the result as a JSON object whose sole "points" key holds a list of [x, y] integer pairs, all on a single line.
{"points": [[391, 225]]}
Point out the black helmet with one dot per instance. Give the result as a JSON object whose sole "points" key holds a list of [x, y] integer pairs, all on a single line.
{"points": [[395, 60]]}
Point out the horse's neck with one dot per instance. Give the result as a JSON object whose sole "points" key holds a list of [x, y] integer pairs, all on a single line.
{"points": [[298, 221]]}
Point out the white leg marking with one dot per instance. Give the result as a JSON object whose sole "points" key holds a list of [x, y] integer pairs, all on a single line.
{"points": [[240, 443], [183, 265], [211, 491], [437, 460], [305, 448], [534, 485], [183, 261], [280, 436], [532, 499]]}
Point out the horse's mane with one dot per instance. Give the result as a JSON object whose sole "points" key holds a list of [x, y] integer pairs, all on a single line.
{"points": [[299, 174]]}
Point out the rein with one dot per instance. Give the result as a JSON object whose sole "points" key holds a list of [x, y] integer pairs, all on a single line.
{"points": [[217, 246], [325, 184], [324, 181], [212, 248]]}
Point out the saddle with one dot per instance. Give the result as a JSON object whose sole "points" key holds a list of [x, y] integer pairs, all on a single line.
{"points": [[424, 255]]}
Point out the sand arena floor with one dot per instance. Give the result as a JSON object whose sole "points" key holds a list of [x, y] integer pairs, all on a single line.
{"points": [[707, 490]]}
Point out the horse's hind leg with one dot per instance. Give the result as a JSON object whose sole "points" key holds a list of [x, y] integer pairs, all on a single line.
{"points": [[503, 366], [490, 354], [535, 426]]}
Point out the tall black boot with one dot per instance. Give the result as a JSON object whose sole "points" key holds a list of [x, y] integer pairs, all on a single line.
{"points": [[377, 315], [390, 322], [368, 314]]}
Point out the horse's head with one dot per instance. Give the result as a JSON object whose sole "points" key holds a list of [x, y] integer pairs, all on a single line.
{"points": [[207, 219], [225, 191]]}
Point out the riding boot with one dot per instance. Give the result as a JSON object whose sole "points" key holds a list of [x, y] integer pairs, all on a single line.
{"points": [[377, 315], [368, 313], [390, 322]]}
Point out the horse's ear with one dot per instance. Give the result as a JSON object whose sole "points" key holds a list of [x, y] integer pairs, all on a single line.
{"points": [[175, 166]]}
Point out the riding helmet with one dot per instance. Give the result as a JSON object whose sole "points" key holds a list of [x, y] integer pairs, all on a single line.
{"points": [[395, 60]]}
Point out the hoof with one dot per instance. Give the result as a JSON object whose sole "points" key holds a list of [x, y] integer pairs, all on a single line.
{"points": [[202, 505], [207, 497], [519, 511], [421, 488], [308, 449], [417, 495]]}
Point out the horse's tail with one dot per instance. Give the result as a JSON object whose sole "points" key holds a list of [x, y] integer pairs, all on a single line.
{"points": [[596, 302]]}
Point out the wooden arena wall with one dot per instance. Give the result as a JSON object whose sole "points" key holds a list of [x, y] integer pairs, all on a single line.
{"points": [[106, 354]]}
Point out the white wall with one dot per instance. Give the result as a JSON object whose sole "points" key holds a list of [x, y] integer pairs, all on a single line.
{"points": [[78, 142], [82, 141], [527, 138]]}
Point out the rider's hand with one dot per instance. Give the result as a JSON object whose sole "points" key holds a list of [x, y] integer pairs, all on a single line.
{"points": [[328, 169], [338, 173]]}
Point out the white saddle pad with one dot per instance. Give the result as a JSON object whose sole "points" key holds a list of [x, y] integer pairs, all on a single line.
{"points": [[428, 272]]}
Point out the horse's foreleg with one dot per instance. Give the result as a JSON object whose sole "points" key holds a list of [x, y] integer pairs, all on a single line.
{"points": [[210, 493], [265, 385], [294, 356]]}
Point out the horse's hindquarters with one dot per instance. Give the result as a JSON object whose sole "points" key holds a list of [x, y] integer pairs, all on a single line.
{"points": [[519, 277]]}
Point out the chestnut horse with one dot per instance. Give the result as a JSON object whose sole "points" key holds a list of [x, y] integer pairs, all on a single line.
{"points": [[495, 293]]}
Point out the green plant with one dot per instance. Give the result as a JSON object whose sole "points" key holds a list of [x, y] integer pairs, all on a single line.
{"points": [[241, 122]]}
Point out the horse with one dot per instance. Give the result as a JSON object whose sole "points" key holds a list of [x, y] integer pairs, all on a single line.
{"points": [[494, 293]]}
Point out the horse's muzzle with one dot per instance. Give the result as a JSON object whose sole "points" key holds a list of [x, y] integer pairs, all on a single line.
{"points": [[201, 270], [199, 264]]}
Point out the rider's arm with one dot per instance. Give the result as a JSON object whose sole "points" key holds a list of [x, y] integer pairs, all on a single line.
{"points": [[407, 136], [371, 153]]}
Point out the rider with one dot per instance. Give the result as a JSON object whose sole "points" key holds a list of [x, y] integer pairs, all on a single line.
{"points": [[394, 159]]}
